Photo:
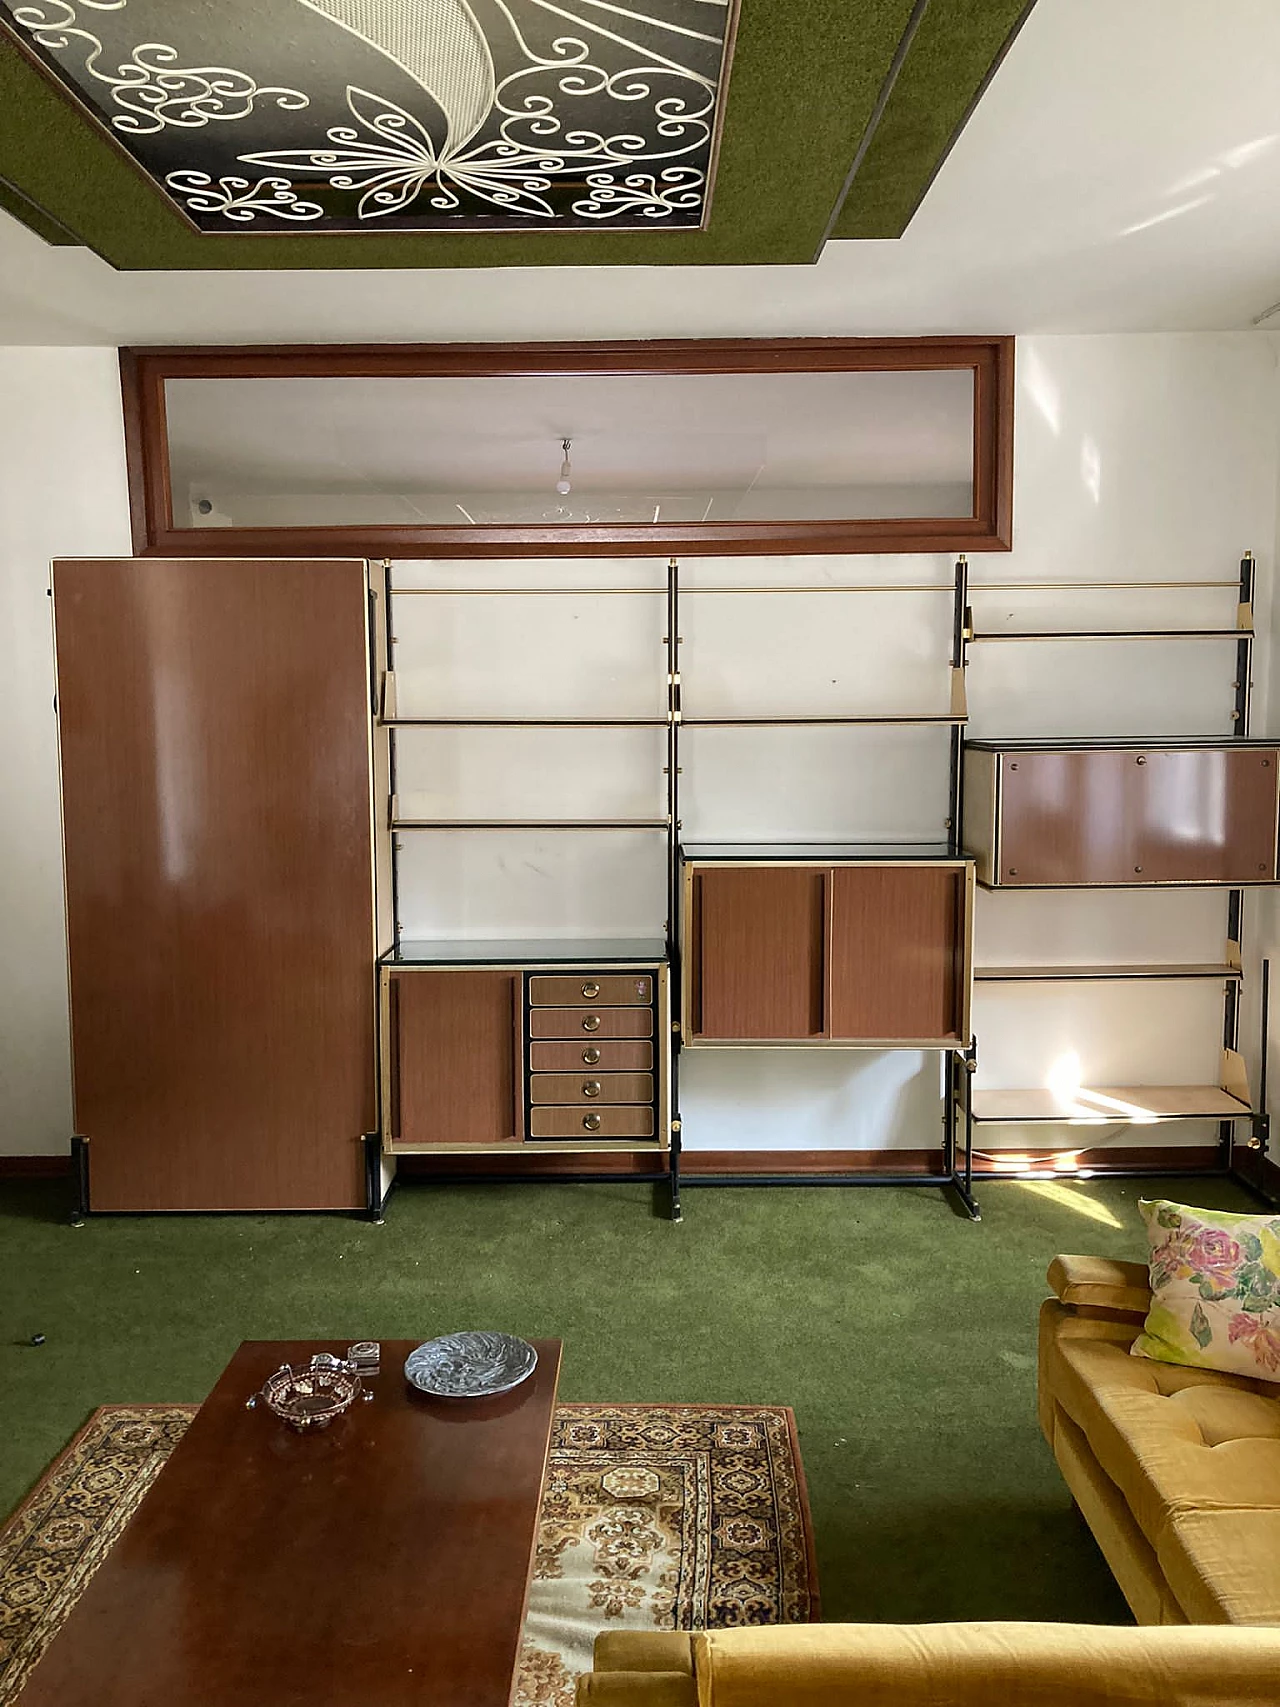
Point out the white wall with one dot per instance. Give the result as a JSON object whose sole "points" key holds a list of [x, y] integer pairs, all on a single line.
{"points": [[1138, 456], [62, 494]]}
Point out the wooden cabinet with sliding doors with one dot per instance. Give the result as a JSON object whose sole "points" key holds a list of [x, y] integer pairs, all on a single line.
{"points": [[873, 952], [219, 805], [547, 1051]]}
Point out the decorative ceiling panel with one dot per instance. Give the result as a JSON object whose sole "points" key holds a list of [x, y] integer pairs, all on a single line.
{"points": [[403, 115]]}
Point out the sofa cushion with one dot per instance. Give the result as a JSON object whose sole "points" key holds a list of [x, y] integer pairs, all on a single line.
{"points": [[1224, 1566], [1215, 1284], [1183, 1444]]}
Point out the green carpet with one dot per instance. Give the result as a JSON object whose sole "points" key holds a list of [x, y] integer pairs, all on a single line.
{"points": [[903, 1336]]}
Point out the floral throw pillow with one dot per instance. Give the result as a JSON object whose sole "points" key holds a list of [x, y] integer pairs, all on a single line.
{"points": [[1215, 1286]]}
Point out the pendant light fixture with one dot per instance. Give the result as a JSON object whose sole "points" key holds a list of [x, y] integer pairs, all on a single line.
{"points": [[565, 483]]}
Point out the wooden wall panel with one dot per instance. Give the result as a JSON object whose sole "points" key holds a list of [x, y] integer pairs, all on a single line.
{"points": [[214, 726], [758, 952], [895, 952], [455, 1075]]}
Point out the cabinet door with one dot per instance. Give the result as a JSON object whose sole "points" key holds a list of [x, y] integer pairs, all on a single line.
{"points": [[757, 947], [1113, 817], [896, 953], [455, 1075], [218, 836]]}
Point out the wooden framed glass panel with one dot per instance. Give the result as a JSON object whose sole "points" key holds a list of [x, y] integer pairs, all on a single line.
{"points": [[769, 446]]}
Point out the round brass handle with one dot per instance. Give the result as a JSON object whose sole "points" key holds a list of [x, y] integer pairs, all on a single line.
{"points": [[591, 1056], [591, 989], [591, 1087], [591, 1022], [591, 1123]]}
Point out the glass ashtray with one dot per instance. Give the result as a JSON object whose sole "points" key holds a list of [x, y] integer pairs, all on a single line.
{"points": [[308, 1396]]}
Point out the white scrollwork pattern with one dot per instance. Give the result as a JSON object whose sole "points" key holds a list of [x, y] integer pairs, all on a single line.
{"points": [[239, 200], [155, 90]]}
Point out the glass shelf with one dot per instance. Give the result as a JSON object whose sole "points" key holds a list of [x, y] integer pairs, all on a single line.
{"points": [[527, 951]]}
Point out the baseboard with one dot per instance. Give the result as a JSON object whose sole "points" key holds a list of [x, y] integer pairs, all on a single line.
{"points": [[34, 1167]]}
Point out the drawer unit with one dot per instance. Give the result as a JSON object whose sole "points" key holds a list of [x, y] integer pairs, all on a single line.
{"points": [[591, 1022], [608, 1057], [599, 1082], [584, 1123], [590, 1087], [610, 990]]}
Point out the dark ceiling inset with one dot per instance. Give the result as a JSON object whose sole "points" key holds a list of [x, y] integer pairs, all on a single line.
{"points": [[403, 115]]}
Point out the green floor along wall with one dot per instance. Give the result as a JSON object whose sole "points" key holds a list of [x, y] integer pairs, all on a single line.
{"points": [[903, 1336]]}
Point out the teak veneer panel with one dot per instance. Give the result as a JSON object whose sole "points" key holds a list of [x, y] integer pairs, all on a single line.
{"points": [[591, 1023], [758, 952], [574, 1057], [896, 957], [1195, 815], [386, 1559], [455, 1051], [218, 826]]}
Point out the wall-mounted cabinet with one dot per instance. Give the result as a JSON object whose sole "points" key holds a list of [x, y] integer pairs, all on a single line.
{"points": [[534, 1052], [1043, 815], [855, 952]]}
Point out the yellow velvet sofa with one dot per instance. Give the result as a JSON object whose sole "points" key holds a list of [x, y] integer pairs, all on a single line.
{"points": [[1177, 1471], [936, 1665]]}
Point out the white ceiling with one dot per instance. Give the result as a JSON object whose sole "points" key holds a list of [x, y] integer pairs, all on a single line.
{"points": [[1122, 173]]}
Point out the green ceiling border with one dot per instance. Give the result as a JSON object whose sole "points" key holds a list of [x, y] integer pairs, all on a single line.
{"points": [[952, 57]]}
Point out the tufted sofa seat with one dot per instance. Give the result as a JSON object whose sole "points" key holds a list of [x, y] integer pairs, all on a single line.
{"points": [[1177, 1471]]}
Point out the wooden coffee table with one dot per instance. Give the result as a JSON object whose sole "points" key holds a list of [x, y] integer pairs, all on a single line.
{"points": [[381, 1562]]}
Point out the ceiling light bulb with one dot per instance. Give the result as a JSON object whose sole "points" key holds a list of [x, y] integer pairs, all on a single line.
{"points": [[564, 485]]}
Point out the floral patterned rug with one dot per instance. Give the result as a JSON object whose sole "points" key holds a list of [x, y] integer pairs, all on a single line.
{"points": [[654, 1517]]}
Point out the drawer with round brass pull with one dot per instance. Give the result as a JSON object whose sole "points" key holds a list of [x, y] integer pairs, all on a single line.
{"points": [[591, 1123], [590, 1087], [620, 1056], [610, 989], [593, 1025]]}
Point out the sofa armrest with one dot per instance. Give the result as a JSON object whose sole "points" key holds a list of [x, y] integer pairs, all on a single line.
{"points": [[1100, 1283], [640, 1668]]}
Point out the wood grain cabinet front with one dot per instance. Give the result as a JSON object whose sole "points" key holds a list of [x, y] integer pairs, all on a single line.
{"points": [[591, 1022], [588, 1123], [454, 1058], [591, 990], [1122, 816], [857, 952], [590, 1086]]}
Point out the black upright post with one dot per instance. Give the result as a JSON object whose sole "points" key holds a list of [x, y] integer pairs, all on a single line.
{"points": [[674, 978], [79, 1180]]}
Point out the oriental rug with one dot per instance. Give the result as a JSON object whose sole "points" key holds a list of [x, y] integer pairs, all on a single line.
{"points": [[654, 1517]]}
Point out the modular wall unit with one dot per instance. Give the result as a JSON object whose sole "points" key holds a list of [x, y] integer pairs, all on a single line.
{"points": [[1130, 814], [219, 804], [619, 688]]}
